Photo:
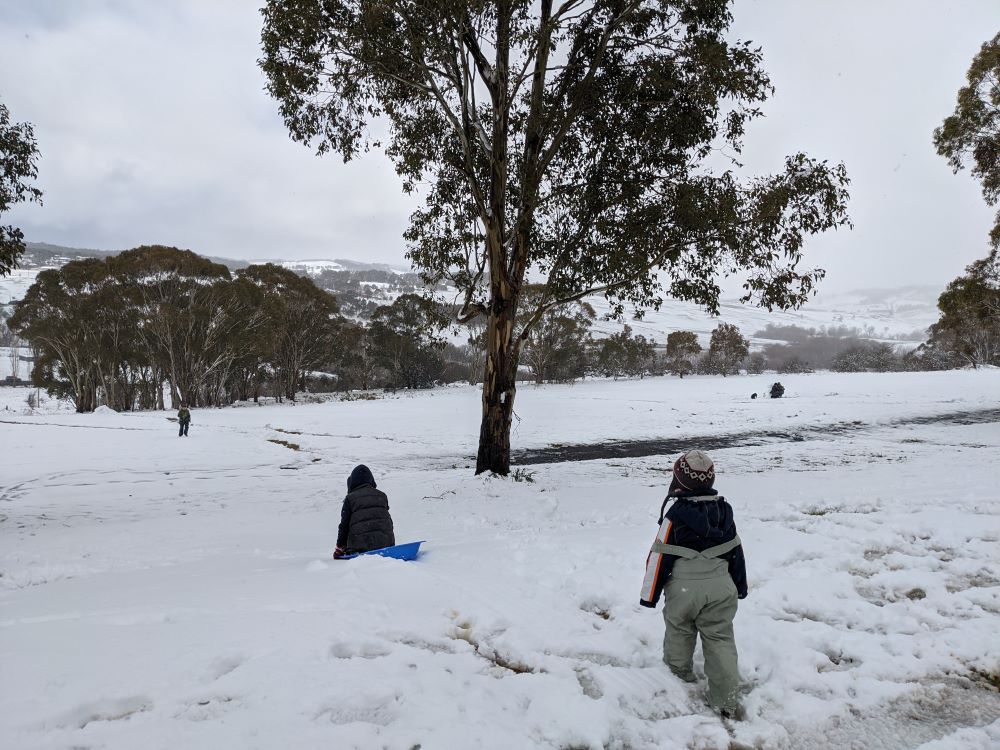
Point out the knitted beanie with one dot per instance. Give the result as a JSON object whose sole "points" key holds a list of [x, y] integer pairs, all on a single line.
{"points": [[695, 471]]}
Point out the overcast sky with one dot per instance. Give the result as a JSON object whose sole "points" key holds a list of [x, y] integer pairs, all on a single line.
{"points": [[154, 128]]}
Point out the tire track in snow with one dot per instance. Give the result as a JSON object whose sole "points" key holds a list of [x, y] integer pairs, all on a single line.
{"points": [[661, 446], [934, 709]]}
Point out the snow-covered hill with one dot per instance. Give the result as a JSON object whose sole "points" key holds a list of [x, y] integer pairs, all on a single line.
{"points": [[14, 286], [315, 267], [879, 314]]}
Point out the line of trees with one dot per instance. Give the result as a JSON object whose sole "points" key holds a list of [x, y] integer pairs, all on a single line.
{"points": [[123, 330], [839, 349], [130, 330]]}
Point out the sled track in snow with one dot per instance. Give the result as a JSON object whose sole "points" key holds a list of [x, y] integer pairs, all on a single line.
{"points": [[657, 447]]}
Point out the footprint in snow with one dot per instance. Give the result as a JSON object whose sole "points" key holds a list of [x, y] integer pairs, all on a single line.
{"points": [[363, 650], [378, 710], [208, 708], [222, 666], [118, 709]]}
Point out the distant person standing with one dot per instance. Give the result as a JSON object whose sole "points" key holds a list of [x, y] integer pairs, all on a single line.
{"points": [[184, 419]]}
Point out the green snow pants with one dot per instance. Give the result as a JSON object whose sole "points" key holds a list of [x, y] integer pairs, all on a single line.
{"points": [[701, 599]]}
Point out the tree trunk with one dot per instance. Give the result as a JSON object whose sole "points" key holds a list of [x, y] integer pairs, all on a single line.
{"points": [[499, 386], [158, 384]]}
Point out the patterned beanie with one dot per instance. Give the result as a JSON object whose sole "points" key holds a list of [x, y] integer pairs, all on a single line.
{"points": [[694, 471]]}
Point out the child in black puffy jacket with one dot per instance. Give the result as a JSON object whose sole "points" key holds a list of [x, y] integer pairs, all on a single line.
{"points": [[365, 523]]}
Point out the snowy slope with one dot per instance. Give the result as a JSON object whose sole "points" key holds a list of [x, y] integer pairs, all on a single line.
{"points": [[166, 593], [14, 286], [315, 267], [885, 313]]}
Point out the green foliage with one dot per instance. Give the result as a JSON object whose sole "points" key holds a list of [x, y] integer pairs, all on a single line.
{"points": [[869, 356], [928, 357], [726, 351], [556, 348], [971, 135], [594, 149], [302, 323], [969, 326], [756, 363], [405, 341], [113, 331], [809, 348], [18, 169], [682, 350], [625, 355], [190, 320], [354, 361], [794, 365], [523, 475]]}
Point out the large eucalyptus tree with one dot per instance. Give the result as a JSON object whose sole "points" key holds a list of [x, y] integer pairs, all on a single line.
{"points": [[588, 146]]}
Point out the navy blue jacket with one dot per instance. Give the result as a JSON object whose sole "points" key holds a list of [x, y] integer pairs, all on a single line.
{"points": [[698, 525]]}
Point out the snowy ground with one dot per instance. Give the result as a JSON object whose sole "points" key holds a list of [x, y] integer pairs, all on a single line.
{"points": [[166, 593]]}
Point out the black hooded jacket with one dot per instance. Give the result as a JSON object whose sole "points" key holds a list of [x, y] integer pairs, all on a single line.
{"points": [[699, 524], [365, 523]]}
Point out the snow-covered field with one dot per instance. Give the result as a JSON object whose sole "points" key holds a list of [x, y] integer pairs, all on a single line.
{"points": [[14, 286], [168, 593]]}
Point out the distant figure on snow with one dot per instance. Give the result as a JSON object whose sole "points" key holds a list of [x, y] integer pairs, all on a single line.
{"points": [[184, 418], [753, 395], [365, 523], [777, 390], [697, 562]]}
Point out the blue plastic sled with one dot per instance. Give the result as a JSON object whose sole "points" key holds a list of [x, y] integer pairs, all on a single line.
{"points": [[408, 551]]}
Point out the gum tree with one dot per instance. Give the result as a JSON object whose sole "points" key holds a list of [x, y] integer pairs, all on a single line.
{"points": [[970, 136], [579, 145], [18, 169], [970, 307]]}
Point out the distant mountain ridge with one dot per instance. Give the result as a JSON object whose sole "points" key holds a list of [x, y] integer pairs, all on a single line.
{"points": [[39, 255], [46, 255]]}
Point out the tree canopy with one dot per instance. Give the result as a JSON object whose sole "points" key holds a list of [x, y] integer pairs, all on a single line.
{"points": [[682, 348], [727, 348], [18, 170], [115, 331], [969, 326], [971, 135]]}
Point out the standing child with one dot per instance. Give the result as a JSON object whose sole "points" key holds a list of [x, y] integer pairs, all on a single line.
{"points": [[184, 418], [365, 523], [697, 562]]}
